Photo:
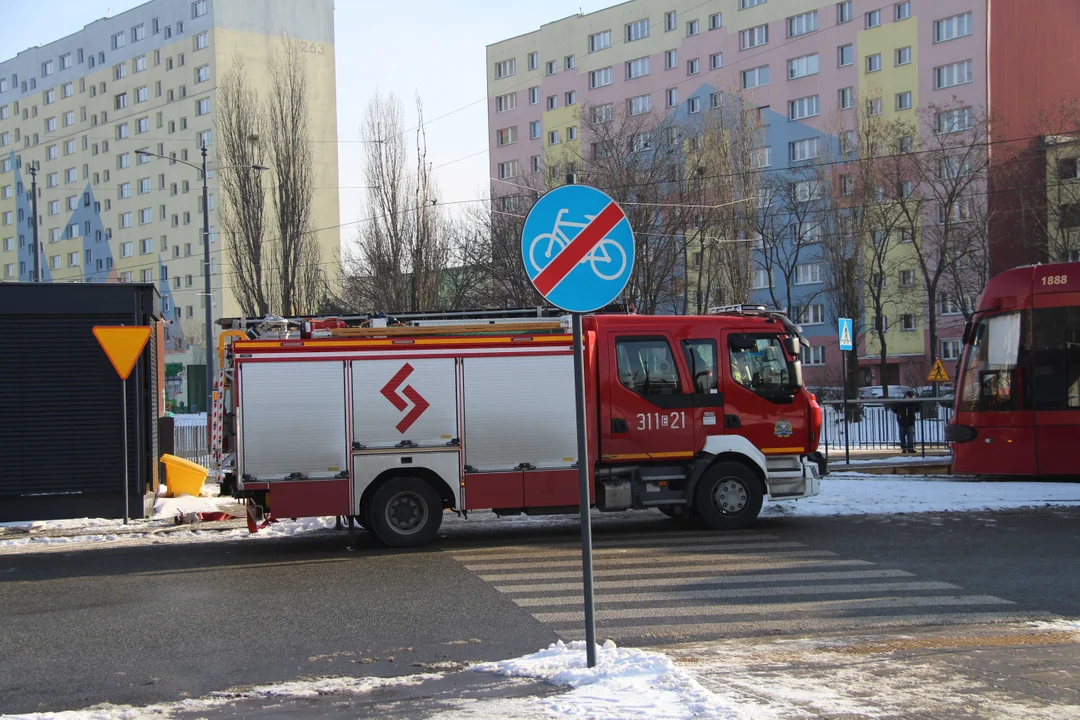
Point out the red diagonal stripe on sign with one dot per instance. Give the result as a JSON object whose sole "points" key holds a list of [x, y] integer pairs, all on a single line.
{"points": [[389, 390], [419, 406], [578, 248]]}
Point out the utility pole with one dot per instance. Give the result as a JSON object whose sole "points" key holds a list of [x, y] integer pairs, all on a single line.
{"points": [[209, 293], [34, 221]]}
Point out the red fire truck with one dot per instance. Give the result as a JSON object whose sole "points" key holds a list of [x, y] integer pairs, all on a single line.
{"points": [[1018, 387], [392, 426]]}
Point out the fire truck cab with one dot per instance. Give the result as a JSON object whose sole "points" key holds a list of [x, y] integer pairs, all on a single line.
{"points": [[699, 417]]}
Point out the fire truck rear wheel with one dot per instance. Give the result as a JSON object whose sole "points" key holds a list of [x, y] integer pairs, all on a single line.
{"points": [[406, 512], [729, 497]]}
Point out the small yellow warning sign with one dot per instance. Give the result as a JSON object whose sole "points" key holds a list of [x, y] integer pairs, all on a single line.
{"points": [[937, 373], [122, 344]]}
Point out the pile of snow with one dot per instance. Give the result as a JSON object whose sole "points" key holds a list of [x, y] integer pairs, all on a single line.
{"points": [[867, 494], [626, 683]]}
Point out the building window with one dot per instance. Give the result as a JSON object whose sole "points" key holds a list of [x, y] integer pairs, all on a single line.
{"points": [[637, 68], [802, 24], [808, 274], [118, 41], [202, 41], [121, 131], [873, 19], [952, 27], [603, 113], [755, 77], [508, 169], [803, 108], [506, 68], [534, 129], [552, 102], [954, 120], [202, 106], [553, 137], [845, 55], [761, 157], [202, 74], [873, 62], [716, 61], [803, 66], [551, 67], [569, 62], [670, 21], [692, 28], [672, 97], [948, 76], [640, 104], [534, 163], [138, 33], [908, 322], [847, 98], [873, 107], [903, 55], [947, 305], [743, 4], [502, 103], [907, 278], [600, 41], [903, 10], [950, 349], [761, 279], [506, 136], [693, 67], [903, 100], [813, 355], [141, 94], [534, 95], [600, 78], [637, 30], [198, 9], [754, 37], [693, 105], [716, 21], [803, 149], [533, 61], [810, 314]]}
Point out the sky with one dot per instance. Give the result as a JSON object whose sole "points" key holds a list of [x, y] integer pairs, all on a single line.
{"points": [[428, 47]]}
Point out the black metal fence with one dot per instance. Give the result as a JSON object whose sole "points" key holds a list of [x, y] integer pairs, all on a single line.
{"points": [[872, 425]]}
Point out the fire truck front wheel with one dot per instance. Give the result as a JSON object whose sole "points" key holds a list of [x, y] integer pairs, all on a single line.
{"points": [[405, 512], [729, 497]]}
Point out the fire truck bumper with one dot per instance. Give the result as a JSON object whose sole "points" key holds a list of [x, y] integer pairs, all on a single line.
{"points": [[788, 483]]}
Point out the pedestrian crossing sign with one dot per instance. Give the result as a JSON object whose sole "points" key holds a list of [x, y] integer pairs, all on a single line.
{"points": [[937, 373], [845, 334]]}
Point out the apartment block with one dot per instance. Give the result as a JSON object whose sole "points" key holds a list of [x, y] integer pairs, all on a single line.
{"points": [[147, 79], [811, 68]]}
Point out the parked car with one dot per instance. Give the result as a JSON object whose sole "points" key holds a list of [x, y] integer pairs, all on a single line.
{"points": [[872, 392]]}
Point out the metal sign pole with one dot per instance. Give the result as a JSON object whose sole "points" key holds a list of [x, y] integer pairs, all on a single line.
{"points": [[583, 484], [847, 420], [123, 404]]}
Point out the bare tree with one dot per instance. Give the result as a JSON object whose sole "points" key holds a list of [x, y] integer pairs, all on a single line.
{"points": [[943, 208], [243, 211], [404, 251], [299, 280]]}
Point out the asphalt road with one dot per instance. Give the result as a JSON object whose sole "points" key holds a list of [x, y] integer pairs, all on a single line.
{"points": [[147, 624]]}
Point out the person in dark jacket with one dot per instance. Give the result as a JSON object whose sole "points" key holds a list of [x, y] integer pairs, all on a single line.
{"points": [[906, 413]]}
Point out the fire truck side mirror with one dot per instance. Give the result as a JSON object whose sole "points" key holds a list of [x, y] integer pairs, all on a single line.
{"points": [[792, 346]]}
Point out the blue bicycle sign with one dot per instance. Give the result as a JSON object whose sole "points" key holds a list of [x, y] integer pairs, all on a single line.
{"points": [[578, 248]]}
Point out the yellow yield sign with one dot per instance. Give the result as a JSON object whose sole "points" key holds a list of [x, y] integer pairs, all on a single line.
{"points": [[937, 373], [123, 345]]}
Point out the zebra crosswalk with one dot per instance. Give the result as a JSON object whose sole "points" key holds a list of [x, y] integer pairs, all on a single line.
{"points": [[699, 585]]}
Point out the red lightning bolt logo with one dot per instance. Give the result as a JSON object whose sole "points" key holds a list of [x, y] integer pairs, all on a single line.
{"points": [[390, 392]]}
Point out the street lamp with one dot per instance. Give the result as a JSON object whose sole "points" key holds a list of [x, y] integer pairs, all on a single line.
{"points": [[209, 339]]}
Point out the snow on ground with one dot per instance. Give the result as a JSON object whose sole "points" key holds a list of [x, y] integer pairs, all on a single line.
{"points": [[866, 494], [299, 689], [626, 683], [841, 494]]}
